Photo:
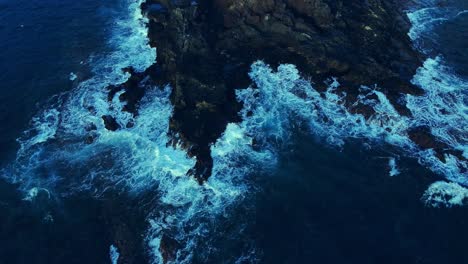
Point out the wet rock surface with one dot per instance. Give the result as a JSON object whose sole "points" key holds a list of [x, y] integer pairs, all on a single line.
{"points": [[423, 138], [205, 49]]}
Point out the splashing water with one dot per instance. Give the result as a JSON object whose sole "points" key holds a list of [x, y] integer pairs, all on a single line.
{"points": [[61, 128], [393, 167], [444, 107], [425, 18], [445, 194], [114, 254]]}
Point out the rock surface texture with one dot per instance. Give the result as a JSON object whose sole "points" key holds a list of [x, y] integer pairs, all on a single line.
{"points": [[205, 49]]}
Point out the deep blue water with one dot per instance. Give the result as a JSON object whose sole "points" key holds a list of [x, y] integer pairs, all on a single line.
{"points": [[450, 39], [41, 43], [325, 206], [63, 201]]}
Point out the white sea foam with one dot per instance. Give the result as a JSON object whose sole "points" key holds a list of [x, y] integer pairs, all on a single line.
{"points": [[72, 76], [393, 167], [44, 128], [284, 101], [34, 192], [114, 254], [423, 20], [86, 104], [194, 207], [445, 194], [444, 107]]}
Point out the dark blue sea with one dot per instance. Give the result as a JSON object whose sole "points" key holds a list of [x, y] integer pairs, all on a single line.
{"points": [[342, 190]]}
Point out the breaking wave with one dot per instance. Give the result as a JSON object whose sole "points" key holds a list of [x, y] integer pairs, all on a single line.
{"points": [[444, 106], [443, 109], [55, 140], [284, 100], [425, 19], [445, 194]]}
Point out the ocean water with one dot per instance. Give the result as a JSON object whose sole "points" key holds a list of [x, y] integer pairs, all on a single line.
{"points": [[300, 180], [42, 42]]}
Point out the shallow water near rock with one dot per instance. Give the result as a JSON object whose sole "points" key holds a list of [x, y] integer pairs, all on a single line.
{"points": [[299, 179]]}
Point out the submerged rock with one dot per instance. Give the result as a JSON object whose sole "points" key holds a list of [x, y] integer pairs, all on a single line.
{"points": [[110, 123]]}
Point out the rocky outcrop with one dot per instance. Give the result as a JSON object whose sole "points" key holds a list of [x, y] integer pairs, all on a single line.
{"points": [[205, 49]]}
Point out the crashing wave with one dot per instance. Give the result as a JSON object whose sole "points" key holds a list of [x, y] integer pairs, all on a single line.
{"points": [[443, 108], [60, 129], [425, 18], [445, 194], [283, 101]]}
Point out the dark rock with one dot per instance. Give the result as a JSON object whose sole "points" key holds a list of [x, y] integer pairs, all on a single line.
{"points": [[133, 92], [168, 248], [422, 137], [205, 51], [318, 10], [110, 123]]}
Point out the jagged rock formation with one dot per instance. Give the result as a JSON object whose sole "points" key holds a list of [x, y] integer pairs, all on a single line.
{"points": [[205, 49]]}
